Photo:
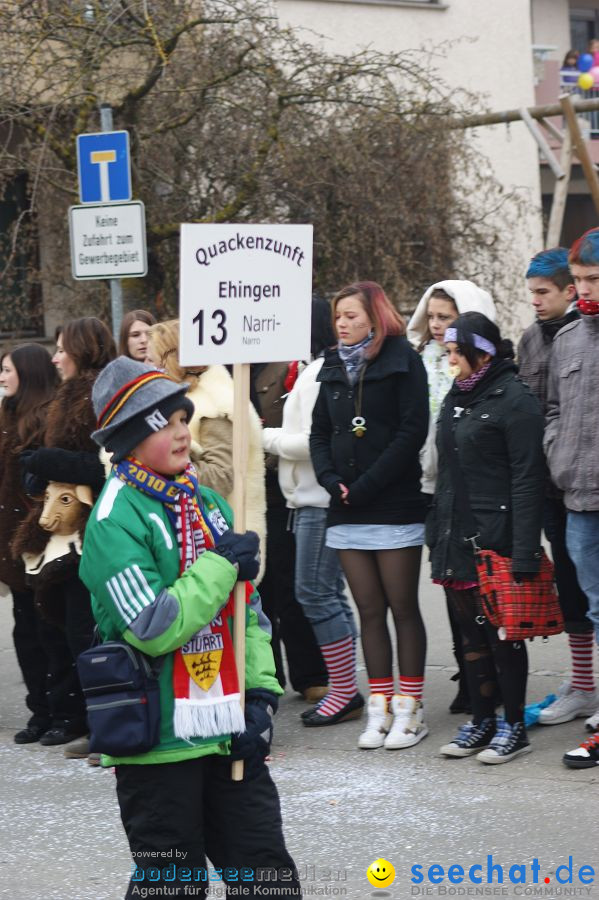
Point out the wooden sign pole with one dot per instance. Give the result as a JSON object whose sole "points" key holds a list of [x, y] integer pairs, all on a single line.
{"points": [[241, 387]]}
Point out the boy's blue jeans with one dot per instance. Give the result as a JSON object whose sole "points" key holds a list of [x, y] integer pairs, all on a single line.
{"points": [[319, 585], [582, 538]]}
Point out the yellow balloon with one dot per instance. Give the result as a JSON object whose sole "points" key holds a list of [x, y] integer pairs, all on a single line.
{"points": [[586, 81]]}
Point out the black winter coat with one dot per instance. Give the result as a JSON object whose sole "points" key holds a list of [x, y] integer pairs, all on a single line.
{"points": [[499, 438], [381, 468]]}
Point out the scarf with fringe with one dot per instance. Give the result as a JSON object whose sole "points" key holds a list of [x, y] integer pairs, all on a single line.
{"points": [[205, 683]]}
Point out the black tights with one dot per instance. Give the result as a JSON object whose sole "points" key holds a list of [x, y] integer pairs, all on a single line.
{"points": [[380, 580], [491, 666]]}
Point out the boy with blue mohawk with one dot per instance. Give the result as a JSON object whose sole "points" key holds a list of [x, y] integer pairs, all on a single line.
{"points": [[551, 285], [570, 442]]}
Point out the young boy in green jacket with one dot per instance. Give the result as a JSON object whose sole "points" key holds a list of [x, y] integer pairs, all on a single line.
{"points": [[161, 562]]}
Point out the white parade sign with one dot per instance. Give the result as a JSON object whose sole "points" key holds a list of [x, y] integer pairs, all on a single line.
{"points": [[246, 293], [108, 240]]}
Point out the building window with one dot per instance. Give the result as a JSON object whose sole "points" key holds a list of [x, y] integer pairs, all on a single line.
{"points": [[584, 26]]}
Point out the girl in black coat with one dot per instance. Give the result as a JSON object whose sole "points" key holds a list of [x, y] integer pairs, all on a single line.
{"points": [[29, 381], [369, 423], [68, 455], [489, 440]]}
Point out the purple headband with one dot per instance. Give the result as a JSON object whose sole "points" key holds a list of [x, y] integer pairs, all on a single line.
{"points": [[481, 343]]}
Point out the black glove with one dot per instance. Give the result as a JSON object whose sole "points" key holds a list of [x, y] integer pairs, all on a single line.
{"points": [[70, 466], [242, 550], [33, 485], [26, 459], [255, 741]]}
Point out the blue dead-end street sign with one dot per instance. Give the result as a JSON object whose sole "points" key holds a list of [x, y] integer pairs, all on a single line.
{"points": [[104, 167]]}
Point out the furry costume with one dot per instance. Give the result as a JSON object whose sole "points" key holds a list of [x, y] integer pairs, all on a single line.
{"points": [[69, 425], [212, 398]]}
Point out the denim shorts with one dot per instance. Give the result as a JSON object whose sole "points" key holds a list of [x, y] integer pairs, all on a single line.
{"points": [[375, 537]]}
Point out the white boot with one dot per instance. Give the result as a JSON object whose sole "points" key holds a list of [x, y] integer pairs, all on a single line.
{"points": [[378, 724], [408, 723]]}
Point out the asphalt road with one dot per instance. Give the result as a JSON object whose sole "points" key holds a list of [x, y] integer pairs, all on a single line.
{"points": [[343, 808]]}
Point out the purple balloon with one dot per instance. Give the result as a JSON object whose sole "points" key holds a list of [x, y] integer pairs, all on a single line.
{"points": [[585, 62]]}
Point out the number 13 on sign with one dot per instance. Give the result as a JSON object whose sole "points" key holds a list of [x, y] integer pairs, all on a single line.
{"points": [[219, 317]]}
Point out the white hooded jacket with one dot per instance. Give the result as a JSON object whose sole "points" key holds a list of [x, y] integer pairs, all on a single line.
{"points": [[291, 443], [468, 298]]}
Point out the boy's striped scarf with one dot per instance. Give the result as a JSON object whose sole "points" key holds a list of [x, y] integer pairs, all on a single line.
{"points": [[205, 683]]}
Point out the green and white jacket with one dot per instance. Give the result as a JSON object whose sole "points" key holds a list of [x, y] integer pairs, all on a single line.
{"points": [[130, 564]]}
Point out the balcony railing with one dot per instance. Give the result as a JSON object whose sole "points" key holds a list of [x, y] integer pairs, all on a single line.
{"points": [[567, 86]]}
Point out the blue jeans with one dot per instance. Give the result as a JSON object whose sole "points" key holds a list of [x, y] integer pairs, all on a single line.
{"points": [[582, 539], [572, 598], [319, 584]]}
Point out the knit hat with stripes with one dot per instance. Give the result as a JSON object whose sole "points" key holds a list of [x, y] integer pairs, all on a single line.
{"points": [[133, 401]]}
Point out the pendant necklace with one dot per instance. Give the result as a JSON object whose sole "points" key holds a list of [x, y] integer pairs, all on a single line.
{"points": [[358, 421]]}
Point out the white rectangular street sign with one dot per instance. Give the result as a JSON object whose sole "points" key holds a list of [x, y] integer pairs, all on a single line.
{"points": [[245, 293], [108, 240]]}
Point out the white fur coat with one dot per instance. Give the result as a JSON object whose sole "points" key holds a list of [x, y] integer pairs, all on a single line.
{"points": [[213, 398]]}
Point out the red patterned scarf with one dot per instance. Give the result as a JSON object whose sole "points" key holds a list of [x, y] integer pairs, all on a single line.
{"points": [[205, 683]]}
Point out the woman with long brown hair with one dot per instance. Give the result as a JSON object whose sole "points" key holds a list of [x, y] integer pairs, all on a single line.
{"points": [[29, 381], [133, 336], [68, 455], [369, 423]]}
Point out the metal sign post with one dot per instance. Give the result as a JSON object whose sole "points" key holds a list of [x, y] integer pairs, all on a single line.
{"points": [[108, 233], [116, 287]]}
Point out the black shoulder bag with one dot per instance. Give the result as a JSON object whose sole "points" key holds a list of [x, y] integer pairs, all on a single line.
{"points": [[122, 697]]}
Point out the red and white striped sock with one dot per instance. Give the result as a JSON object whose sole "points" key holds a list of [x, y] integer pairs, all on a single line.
{"points": [[581, 648], [339, 659], [382, 686], [411, 686]]}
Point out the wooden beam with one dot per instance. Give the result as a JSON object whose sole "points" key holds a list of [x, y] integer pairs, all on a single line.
{"points": [[514, 115], [544, 147], [560, 195], [580, 147], [557, 134]]}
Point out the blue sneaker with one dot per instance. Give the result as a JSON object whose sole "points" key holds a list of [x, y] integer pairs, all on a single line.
{"points": [[471, 738], [509, 741]]}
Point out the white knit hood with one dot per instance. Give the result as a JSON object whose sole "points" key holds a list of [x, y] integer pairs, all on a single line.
{"points": [[466, 296]]}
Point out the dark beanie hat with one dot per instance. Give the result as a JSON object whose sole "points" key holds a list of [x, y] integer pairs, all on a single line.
{"points": [[133, 401]]}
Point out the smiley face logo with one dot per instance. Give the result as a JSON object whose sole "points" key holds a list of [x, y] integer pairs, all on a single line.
{"points": [[380, 873]]}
